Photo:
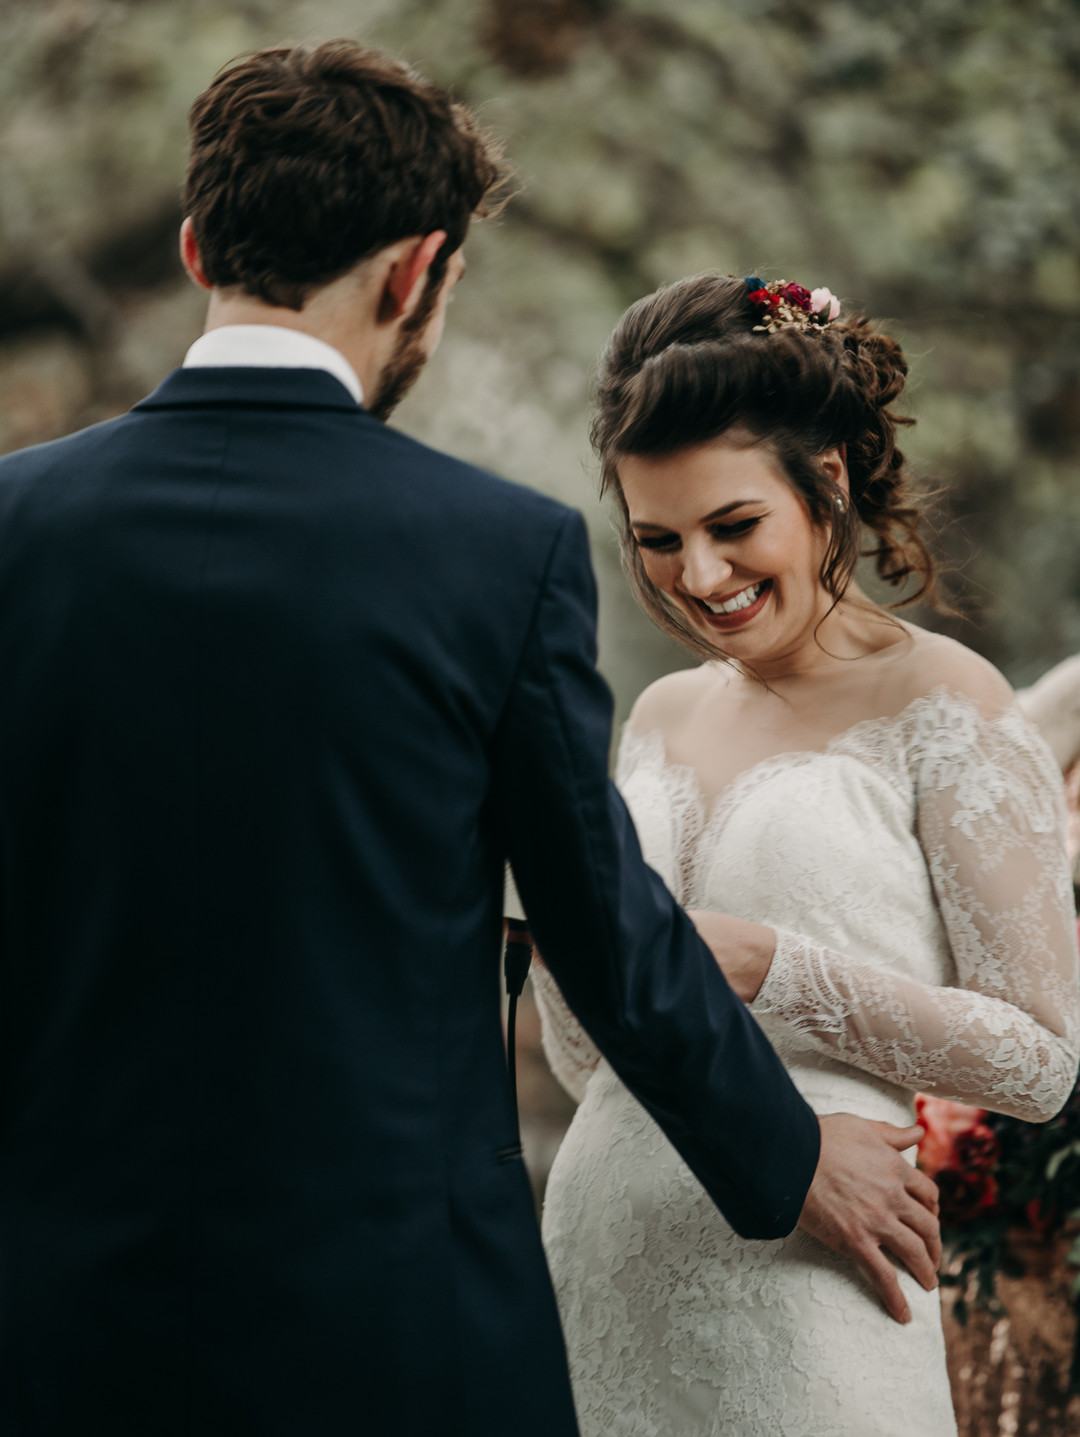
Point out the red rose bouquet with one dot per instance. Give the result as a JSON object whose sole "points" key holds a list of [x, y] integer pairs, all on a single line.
{"points": [[999, 1177]]}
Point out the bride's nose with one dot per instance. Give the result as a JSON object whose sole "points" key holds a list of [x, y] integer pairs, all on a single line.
{"points": [[704, 570]]}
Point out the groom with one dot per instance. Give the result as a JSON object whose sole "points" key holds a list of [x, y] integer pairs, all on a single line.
{"points": [[282, 690]]}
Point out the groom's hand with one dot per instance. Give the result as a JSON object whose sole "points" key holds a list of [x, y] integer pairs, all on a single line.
{"points": [[867, 1202]]}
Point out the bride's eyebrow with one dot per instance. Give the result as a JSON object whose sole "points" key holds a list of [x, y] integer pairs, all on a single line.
{"points": [[725, 509]]}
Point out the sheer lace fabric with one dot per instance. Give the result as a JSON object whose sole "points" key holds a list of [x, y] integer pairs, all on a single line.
{"points": [[915, 874]]}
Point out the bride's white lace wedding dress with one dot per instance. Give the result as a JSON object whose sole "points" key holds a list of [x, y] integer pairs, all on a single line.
{"points": [[919, 857]]}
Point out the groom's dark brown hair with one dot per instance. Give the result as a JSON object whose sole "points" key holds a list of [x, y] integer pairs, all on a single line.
{"points": [[306, 161]]}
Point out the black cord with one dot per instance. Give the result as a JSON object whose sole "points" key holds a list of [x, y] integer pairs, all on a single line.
{"points": [[516, 962]]}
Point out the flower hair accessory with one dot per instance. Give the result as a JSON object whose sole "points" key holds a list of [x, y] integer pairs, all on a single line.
{"points": [[790, 306]]}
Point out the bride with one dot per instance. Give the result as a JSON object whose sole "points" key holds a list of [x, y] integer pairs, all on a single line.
{"points": [[865, 788]]}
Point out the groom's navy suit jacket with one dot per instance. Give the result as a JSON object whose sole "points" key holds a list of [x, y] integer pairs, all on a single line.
{"points": [[280, 689]]}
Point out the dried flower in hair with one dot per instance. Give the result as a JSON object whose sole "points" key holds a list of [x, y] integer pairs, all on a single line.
{"points": [[798, 296], [791, 306]]}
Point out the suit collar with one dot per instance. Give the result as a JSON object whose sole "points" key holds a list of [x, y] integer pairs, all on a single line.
{"points": [[271, 346], [238, 387]]}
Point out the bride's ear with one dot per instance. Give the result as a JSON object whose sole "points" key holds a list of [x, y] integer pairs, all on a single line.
{"points": [[834, 462]]}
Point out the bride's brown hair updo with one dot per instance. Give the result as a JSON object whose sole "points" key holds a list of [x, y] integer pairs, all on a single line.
{"points": [[685, 366]]}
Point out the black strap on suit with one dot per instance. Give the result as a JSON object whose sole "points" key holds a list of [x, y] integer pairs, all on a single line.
{"points": [[516, 960]]}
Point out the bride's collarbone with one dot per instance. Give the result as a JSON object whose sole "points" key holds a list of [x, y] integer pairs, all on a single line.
{"points": [[740, 725], [721, 744], [721, 723]]}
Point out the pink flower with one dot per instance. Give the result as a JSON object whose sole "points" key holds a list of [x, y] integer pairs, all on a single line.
{"points": [[822, 298], [944, 1123]]}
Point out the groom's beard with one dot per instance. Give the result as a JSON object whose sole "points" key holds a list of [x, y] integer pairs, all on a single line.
{"points": [[403, 367]]}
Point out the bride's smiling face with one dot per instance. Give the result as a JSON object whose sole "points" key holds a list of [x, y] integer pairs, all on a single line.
{"points": [[728, 539]]}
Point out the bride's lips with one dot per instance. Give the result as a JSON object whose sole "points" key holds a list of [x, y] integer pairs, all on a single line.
{"points": [[725, 623]]}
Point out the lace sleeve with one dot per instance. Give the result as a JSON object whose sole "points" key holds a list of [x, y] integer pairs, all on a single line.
{"points": [[1007, 1036], [569, 1050]]}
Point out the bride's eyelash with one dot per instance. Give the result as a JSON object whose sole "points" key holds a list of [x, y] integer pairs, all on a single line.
{"points": [[733, 531], [666, 542]]}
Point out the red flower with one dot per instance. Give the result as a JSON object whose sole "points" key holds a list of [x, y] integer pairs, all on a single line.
{"points": [[763, 297], [1041, 1222], [975, 1151], [965, 1195], [797, 296], [959, 1152]]}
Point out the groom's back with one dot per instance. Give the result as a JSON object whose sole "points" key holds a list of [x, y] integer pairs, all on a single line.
{"points": [[253, 1166]]}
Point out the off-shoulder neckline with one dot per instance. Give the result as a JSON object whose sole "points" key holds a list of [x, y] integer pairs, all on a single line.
{"points": [[856, 734]]}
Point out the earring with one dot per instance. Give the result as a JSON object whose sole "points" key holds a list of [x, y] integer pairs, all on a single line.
{"points": [[838, 500]]}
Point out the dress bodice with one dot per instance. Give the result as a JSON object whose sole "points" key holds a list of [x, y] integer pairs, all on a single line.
{"points": [[822, 843], [819, 843], [914, 872]]}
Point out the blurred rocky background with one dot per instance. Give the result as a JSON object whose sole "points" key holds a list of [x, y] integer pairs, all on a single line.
{"points": [[918, 159]]}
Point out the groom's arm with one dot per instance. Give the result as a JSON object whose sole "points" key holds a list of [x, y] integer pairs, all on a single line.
{"points": [[627, 959]]}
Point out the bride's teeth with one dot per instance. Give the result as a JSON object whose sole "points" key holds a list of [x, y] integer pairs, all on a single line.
{"points": [[742, 600]]}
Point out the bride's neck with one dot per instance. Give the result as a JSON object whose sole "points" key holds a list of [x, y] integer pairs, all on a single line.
{"points": [[854, 629]]}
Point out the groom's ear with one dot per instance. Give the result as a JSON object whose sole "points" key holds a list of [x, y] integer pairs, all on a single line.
{"points": [[190, 256], [405, 278]]}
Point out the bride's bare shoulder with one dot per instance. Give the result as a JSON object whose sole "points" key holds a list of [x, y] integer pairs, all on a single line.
{"points": [[934, 661], [669, 702]]}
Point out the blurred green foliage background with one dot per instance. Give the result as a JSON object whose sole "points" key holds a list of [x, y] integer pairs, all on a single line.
{"points": [[917, 158]]}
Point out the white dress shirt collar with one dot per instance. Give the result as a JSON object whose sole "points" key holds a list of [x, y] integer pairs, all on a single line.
{"points": [[270, 346]]}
